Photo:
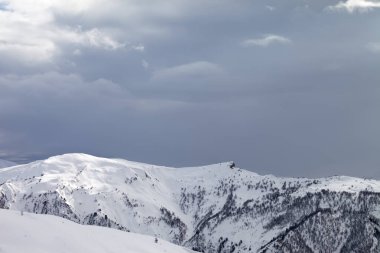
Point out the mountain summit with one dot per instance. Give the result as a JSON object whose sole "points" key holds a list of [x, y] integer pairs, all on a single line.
{"points": [[215, 208]]}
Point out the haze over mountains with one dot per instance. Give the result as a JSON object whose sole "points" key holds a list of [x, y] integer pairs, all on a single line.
{"points": [[215, 208], [4, 163]]}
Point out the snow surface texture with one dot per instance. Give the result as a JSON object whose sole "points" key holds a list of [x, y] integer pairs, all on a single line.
{"points": [[5, 164], [34, 233], [215, 208]]}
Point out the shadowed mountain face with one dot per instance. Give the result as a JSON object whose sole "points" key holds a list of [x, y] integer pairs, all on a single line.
{"points": [[216, 208]]}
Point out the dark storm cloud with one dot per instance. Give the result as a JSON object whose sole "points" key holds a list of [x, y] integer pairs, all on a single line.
{"points": [[282, 87]]}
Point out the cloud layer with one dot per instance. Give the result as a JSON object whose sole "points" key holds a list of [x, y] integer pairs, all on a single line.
{"points": [[282, 87]]}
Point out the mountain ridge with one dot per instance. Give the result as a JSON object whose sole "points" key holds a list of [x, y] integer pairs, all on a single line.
{"points": [[214, 208]]}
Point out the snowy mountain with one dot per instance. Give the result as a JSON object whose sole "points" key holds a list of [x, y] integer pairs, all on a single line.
{"points": [[215, 208], [5, 164], [18, 235]]}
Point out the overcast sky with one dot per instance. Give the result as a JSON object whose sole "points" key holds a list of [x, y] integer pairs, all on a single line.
{"points": [[287, 87]]}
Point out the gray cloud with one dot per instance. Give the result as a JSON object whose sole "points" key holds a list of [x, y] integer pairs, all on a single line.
{"points": [[186, 71], [266, 40], [374, 47], [187, 82], [355, 5]]}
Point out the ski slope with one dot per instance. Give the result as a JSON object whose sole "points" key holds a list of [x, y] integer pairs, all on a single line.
{"points": [[34, 233]]}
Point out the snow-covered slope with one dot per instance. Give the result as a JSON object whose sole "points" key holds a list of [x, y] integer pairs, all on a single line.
{"points": [[34, 233], [215, 208], [5, 164]]}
